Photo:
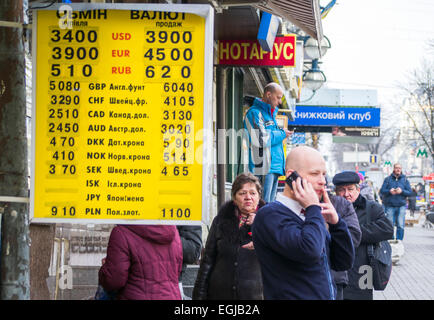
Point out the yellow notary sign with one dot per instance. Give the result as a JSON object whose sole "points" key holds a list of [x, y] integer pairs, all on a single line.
{"points": [[120, 105]]}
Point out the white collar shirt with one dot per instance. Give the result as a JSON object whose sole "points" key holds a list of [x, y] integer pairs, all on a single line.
{"points": [[291, 204]]}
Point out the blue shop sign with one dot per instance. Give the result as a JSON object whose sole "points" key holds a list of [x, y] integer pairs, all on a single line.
{"points": [[336, 116]]}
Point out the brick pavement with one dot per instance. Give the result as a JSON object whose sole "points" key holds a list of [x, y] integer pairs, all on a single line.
{"points": [[413, 276]]}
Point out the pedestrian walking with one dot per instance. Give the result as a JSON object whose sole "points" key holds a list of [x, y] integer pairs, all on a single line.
{"points": [[365, 189], [143, 263], [191, 239], [298, 240], [229, 269], [395, 190], [375, 228], [412, 202], [265, 138]]}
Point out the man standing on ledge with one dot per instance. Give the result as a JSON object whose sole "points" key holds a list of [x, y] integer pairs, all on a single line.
{"points": [[298, 239], [266, 157], [395, 190]]}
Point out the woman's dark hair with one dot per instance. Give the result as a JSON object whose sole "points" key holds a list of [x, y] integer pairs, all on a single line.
{"points": [[244, 178]]}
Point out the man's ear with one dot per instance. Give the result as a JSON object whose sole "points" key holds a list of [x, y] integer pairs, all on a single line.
{"points": [[288, 172], [267, 96]]}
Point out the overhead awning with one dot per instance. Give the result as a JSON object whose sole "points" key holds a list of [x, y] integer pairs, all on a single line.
{"points": [[305, 14]]}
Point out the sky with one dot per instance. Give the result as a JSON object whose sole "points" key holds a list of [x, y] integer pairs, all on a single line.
{"points": [[376, 43]]}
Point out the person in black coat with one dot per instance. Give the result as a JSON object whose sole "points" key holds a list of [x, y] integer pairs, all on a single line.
{"points": [[229, 269], [412, 202], [191, 238], [346, 211], [374, 229]]}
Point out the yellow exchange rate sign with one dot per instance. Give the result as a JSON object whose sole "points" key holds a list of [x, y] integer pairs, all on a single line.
{"points": [[121, 97]]}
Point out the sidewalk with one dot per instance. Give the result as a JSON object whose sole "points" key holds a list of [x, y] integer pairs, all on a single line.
{"points": [[413, 275]]}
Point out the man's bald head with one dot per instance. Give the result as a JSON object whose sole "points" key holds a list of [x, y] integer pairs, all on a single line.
{"points": [[272, 87], [273, 94], [299, 157], [310, 165]]}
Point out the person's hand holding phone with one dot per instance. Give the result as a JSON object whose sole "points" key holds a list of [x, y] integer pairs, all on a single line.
{"points": [[288, 132], [304, 193]]}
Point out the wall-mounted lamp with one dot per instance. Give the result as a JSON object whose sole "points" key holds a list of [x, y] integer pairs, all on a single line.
{"points": [[314, 78], [312, 50]]}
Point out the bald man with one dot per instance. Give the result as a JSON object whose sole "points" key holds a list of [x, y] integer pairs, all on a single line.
{"points": [[265, 137], [299, 237]]}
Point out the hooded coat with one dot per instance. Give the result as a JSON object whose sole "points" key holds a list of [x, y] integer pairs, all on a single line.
{"points": [[143, 263]]}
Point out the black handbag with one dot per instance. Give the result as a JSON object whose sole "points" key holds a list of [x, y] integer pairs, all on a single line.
{"points": [[380, 260]]}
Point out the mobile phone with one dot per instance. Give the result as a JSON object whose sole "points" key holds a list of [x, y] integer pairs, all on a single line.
{"points": [[292, 177]]}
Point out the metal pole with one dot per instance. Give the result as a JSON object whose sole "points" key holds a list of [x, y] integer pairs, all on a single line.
{"points": [[357, 157], [221, 141], [14, 269]]}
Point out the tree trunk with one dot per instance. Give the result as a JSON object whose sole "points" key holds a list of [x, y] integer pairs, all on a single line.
{"points": [[42, 240], [14, 268]]}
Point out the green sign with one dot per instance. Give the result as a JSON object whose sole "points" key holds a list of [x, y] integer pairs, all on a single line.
{"points": [[422, 153]]}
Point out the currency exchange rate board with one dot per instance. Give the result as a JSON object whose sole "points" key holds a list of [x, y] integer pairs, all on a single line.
{"points": [[118, 109]]}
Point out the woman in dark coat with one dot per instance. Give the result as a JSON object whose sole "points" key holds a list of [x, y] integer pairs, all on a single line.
{"points": [[229, 269]]}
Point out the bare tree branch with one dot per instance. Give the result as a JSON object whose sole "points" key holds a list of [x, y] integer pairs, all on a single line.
{"points": [[418, 131], [422, 107]]}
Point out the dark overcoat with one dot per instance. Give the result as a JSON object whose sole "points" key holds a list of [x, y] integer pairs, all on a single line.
{"points": [[227, 271], [378, 229]]}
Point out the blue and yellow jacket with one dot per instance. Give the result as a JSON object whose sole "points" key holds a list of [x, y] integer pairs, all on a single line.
{"points": [[265, 140]]}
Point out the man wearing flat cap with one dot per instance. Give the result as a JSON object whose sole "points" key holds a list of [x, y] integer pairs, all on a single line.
{"points": [[375, 228]]}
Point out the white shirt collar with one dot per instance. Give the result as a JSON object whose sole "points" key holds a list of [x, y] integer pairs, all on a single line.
{"points": [[291, 204]]}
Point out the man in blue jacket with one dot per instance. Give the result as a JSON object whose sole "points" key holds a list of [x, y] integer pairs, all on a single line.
{"points": [[298, 239], [395, 190], [266, 157]]}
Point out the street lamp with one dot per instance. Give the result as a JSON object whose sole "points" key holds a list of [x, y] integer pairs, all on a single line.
{"points": [[312, 50], [314, 78]]}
